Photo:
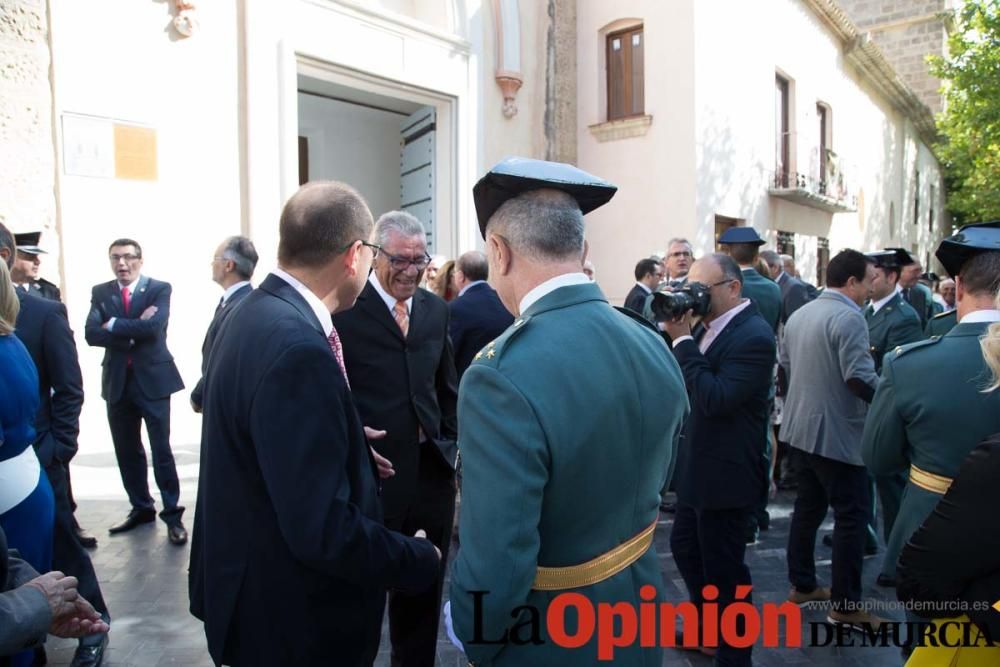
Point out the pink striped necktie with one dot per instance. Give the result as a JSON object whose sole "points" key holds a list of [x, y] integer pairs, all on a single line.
{"points": [[338, 353]]}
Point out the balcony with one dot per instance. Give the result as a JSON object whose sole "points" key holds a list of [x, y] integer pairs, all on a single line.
{"points": [[831, 194]]}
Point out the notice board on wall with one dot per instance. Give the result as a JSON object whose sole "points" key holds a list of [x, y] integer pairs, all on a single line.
{"points": [[107, 148]]}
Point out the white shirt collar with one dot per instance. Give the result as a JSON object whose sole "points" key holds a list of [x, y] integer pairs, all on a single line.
{"points": [[390, 300], [472, 284], [645, 288], [233, 289], [318, 307], [981, 316], [877, 305], [551, 285], [718, 325], [131, 285]]}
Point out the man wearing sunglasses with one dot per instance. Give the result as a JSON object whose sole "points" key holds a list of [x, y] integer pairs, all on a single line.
{"points": [[402, 372]]}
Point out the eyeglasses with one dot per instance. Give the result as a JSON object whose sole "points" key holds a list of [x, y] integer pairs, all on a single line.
{"points": [[723, 282], [681, 253], [403, 263], [375, 248], [128, 258]]}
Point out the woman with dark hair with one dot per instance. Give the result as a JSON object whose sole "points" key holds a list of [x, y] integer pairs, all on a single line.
{"points": [[952, 563], [27, 509]]}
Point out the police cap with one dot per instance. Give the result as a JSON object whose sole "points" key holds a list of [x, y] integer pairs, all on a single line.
{"points": [[970, 240], [514, 175], [741, 235], [28, 242]]}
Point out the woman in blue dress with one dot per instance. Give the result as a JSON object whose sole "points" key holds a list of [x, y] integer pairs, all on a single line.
{"points": [[27, 510]]}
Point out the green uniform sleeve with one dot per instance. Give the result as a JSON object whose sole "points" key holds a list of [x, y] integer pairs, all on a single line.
{"points": [[505, 466], [884, 445]]}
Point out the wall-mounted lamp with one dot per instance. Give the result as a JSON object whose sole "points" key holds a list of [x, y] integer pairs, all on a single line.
{"points": [[508, 73]]}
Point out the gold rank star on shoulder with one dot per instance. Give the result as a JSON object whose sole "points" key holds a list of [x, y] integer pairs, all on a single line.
{"points": [[489, 351]]}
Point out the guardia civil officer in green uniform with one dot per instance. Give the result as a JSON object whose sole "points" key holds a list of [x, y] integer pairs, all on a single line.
{"points": [[891, 323], [24, 273], [567, 422], [941, 324], [929, 410]]}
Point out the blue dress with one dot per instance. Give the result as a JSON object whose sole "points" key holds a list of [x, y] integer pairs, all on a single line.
{"points": [[29, 517]]}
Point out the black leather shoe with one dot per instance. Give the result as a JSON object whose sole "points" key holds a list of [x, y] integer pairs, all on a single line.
{"points": [[176, 534], [86, 540], [885, 581], [135, 518], [90, 654]]}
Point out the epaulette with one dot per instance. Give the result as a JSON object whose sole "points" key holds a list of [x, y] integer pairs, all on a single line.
{"points": [[903, 349], [637, 317], [491, 353], [950, 313]]}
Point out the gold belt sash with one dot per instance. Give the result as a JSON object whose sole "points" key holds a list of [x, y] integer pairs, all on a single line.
{"points": [[597, 569], [929, 481]]}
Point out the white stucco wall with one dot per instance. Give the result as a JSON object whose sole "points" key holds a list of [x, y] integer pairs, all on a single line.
{"points": [[656, 172]]}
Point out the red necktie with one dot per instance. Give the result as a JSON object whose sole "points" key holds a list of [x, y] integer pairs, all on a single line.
{"points": [[338, 352], [126, 299]]}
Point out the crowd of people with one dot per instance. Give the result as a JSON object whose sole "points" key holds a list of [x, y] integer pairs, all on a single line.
{"points": [[363, 386]]}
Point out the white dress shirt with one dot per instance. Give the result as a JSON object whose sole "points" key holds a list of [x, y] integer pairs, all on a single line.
{"points": [[981, 316], [551, 285], [390, 300], [233, 289], [716, 326], [318, 307], [472, 284]]}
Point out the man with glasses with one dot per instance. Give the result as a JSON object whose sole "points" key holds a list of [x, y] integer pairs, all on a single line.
{"points": [[128, 318], [402, 373], [721, 469], [678, 260]]}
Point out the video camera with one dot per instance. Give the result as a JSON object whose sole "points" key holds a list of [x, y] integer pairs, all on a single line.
{"points": [[671, 305]]}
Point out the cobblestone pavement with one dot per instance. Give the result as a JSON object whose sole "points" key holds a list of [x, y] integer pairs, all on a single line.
{"points": [[144, 579]]}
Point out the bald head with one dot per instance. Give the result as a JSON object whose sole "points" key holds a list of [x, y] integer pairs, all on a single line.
{"points": [[320, 221], [473, 266], [542, 225]]}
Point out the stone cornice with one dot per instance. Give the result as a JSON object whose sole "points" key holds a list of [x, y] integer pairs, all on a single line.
{"points": [[867, 57]]}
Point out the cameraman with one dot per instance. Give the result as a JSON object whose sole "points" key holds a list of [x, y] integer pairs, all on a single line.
{"points": [[721, 468]]}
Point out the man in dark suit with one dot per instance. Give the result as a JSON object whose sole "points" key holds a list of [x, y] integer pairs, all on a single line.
{"points": [[24, 271], [914, 293], [402, 373], [43, 327], [721, 468], [232, 269], [290, 561], [477, 316], [648, 274], [128, 317], [794, 292]]}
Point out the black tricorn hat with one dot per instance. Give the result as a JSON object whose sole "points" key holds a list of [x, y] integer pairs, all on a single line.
{"points": [[891, 258], [514, 175], [970, 240], [741, 235], [28, 242]]}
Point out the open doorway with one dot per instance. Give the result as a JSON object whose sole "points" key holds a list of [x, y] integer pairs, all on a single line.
{"points": [[382, 145]]}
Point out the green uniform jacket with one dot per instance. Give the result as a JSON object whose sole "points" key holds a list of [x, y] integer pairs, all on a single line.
{"points": [[941, 324], [895, 324], [765, 294], [568, 424], [929, 410]]}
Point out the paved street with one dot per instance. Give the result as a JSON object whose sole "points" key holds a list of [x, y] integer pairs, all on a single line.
{"points": [[144, 579]]}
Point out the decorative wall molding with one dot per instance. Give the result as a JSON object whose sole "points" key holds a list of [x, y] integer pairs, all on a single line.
{"points": [[622, 128], [185, 22]]}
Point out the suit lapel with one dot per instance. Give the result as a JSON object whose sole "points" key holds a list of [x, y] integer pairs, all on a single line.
{"points": [[418, 312], [139, 297], [370, 302]]}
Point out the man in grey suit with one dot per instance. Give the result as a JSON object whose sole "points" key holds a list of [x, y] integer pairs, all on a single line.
{"points": [[794, 292], [831, 381], [33, 605]]}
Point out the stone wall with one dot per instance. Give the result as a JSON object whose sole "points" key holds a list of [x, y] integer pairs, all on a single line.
{"points": [[27, 171], [906, 31]]}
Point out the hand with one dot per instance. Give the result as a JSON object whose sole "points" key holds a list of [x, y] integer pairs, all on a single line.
{"points": [[679, 326], [81, 621], [772, 490], [422, 534], [384, 465], [106, 326], [148, 313], [59, 591], [195, 407]]}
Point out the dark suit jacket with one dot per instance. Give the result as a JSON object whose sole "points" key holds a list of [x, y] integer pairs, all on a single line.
{"points": [[636, 298], [721, 462], [955, 554], [43, 327], [400, 385], [794, 295], [288, 551], [142, 341], [477, 317], [213, 330]]}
